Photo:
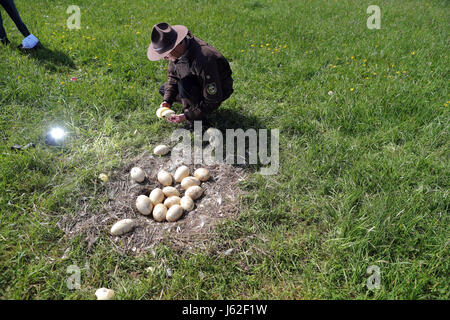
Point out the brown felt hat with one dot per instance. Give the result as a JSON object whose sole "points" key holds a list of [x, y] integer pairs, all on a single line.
{"points": [[165, 38]]}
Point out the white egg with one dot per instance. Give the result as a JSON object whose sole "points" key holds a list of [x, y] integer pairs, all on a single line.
{"points": [[189, 182], [202, 174], [161, 150], [159, 212], [187, 203], [170, 191], [122, 227], [103, 177], [174, 213], [144, 205], [170, 201], [160, 111], [104, 294], [137, 174], [194, 192], [156, 196], [167, 113], [165, 178], [181, 173]]}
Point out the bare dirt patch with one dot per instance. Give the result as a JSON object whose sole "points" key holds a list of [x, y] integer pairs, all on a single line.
{"points": [[220, 200]]}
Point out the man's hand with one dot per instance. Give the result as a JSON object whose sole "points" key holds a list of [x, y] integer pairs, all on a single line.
{"points": [[177, 118], [165, 104]]}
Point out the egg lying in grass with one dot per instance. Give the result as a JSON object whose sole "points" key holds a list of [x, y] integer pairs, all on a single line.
{"points": [[170, 191], [174, 213], [189, 182], [161, 150], [144, 205], [137, 174], [170, 201], [156, 196], [202, 174], [187, 203], [165, 178], [181, 173], [104, 294], [194, 192], [121, 227], [159, 212]]}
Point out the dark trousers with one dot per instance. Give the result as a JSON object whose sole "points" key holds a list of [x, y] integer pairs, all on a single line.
{"points": [[11, 9], [189, 89]]}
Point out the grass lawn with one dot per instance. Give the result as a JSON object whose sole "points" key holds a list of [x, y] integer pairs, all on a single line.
{"points": [[364, 148]]}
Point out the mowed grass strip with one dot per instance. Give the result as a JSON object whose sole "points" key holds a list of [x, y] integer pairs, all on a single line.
{"points": [[363, 119]]}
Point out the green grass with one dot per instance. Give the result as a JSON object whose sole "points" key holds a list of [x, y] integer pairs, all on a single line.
{"points": [[364, 173]]}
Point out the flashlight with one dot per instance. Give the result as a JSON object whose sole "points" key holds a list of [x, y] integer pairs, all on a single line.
{"points": [[55, 137]]}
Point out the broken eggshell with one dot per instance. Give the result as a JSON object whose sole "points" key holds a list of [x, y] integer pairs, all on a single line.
{"points": [[104, 294]]}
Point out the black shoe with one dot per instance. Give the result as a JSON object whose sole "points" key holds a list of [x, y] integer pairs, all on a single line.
{"points": [[5, 41]]}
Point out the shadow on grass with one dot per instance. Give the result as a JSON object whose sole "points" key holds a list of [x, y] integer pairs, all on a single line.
{"points": [[50, 59]]}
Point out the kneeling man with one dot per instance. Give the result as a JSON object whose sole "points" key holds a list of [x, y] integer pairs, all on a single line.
{"points": [[199, 76]]}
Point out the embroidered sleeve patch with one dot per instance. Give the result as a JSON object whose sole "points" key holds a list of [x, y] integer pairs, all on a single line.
{"points": [[211, 88]]}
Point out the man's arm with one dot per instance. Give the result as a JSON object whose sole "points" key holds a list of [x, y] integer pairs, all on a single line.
{"points": [[171, 86]]}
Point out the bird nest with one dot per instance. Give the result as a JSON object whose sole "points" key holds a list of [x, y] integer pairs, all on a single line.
{"points": [[220, 200]]}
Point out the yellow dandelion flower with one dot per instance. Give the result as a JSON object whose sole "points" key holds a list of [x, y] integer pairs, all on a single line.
{"points": [[267, 44], [334, 66], [413, 53], [397, 72], [19, 77], [63, 37], [351, 89], [252, 45], [285, 46], [367, 78], [138, 32], [70, 48], [242, 50], [353, 57], [109, 64], [261, 46], [445, 105], [93, 39], [365, 60], [364, 65], [62, 82], [95, 57], [374, 73]]}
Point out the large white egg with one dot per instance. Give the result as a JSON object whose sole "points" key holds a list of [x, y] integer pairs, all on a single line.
{"points": [[161, 150], [104, 294], [122, 227], [144, 205], [170, 191], [194, 192], [174, 213], [202, 174], [189, 182], [181, 173], [170, 201], [187, 203], [137, 174], [165, 178], [156, 196], [159, 212]]}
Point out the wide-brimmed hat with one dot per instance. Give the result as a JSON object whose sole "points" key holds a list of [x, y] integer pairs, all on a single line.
{"points": [[165, 38]]}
